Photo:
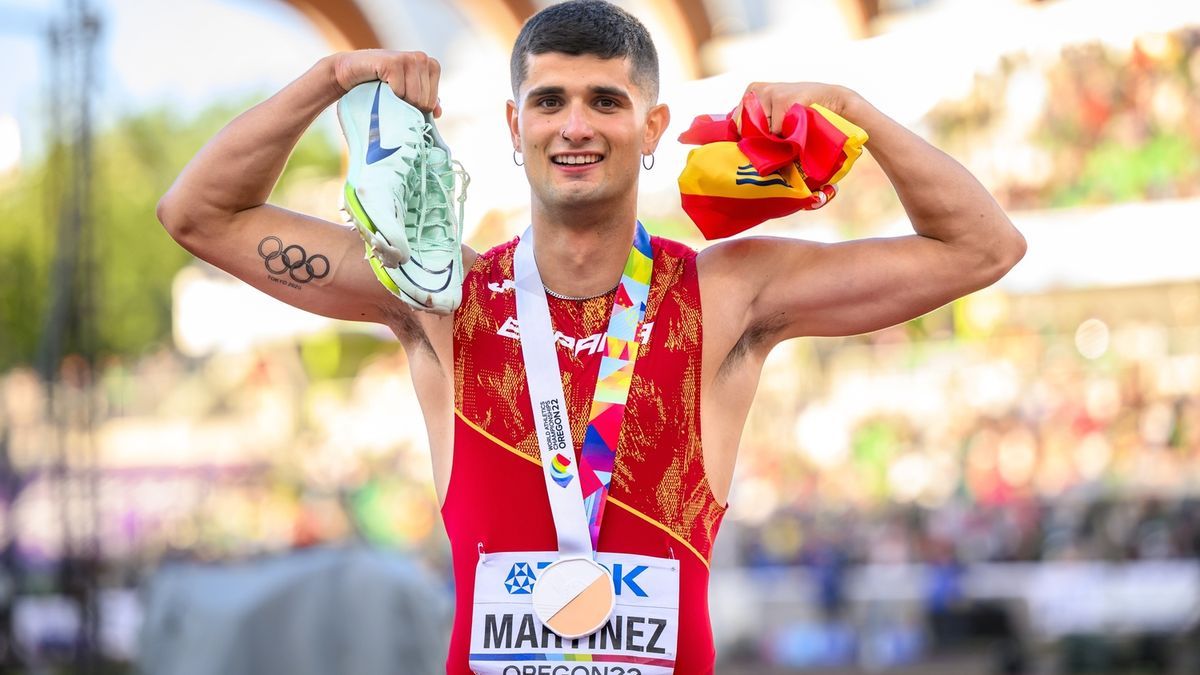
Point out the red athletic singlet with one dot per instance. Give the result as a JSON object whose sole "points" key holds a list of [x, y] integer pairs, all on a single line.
{"points": [[660, 503]]}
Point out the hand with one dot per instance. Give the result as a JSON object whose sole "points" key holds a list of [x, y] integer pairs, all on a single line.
{"points": [[412, 75], [777, 97]]}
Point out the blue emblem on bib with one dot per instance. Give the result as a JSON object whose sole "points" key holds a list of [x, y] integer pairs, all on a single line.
{"points": [[520, 579]]}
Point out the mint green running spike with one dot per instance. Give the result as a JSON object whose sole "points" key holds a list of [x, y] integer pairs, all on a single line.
{"points": [[400, 194]]}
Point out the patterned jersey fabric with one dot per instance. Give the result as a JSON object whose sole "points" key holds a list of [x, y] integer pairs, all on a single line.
{"points": [[660, 503]]}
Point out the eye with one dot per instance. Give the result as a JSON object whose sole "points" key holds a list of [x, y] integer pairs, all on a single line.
{"points": [[548, 102], [606, 103]]}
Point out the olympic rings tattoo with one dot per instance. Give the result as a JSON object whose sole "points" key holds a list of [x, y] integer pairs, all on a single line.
{"points": [[292, 259]]}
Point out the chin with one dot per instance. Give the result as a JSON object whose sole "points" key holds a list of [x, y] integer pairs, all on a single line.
{"points": [[579, 197]]}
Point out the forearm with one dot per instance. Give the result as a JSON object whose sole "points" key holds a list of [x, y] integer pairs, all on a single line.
{"points": [[942, 199], [239, 167]]}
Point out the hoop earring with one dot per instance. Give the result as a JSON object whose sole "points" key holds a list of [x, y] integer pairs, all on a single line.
{"points": [[651, 164], [520, 163]]}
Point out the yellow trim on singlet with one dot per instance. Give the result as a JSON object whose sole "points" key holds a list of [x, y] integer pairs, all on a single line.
{"points": [[495, 440], [610, 498], [659, 525]]}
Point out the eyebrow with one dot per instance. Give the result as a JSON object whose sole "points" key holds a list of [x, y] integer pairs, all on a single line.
{"points": [[615, 92], [602, 90]]}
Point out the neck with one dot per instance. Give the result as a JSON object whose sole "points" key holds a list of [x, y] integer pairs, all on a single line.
{"points": [[582, 256]]}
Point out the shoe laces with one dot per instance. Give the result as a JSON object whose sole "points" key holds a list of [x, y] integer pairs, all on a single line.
{"points": [[445, 231]]}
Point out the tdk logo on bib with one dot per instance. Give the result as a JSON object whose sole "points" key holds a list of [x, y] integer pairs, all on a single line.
{"points": [[521, 578]]}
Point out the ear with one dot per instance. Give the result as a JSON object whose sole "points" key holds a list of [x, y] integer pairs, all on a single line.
{"points": [[514, 124], [657, 120]]}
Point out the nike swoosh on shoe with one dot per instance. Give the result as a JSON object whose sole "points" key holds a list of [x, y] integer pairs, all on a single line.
{"points": [[431, 281], [376, 152]]}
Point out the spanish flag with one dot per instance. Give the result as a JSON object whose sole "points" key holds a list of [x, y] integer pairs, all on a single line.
{"points": [[738, 179]]}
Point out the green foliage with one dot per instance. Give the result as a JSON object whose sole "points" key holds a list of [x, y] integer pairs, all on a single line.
{"points": [[135, 162], [1114, 172], [873, 448]]}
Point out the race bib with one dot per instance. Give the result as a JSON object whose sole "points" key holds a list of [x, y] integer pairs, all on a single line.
{"points": [[640, 639]]}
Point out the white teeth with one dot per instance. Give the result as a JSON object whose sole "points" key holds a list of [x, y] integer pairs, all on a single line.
{"points": [[577, 159]]}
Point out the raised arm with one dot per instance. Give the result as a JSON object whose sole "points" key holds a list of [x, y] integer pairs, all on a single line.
{"points": [[217, 206], [777, 288]]}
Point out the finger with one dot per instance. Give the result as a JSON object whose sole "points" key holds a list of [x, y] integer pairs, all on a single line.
{"points": [[426, 103], [434, 71], [766, 102], [437, 109], [775, 119], [395, 79], [762, 96], [413, 93]]}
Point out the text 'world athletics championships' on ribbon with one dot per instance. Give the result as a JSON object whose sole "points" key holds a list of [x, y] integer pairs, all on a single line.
{"points": [[738, 179]]}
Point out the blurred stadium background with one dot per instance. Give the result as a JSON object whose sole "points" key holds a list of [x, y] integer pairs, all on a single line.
{"points": [[197, 479]]}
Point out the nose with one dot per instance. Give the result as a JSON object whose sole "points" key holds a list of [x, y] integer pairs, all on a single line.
{"points": [[576, 129]]}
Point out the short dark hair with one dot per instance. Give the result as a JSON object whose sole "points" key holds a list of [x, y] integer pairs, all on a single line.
{"points": [[592, 27]]}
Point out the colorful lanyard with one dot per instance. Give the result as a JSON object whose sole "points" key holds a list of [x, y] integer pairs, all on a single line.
{"points": [[577, 494]]}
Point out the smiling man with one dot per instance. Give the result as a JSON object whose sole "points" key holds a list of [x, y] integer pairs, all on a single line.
{"points": [[585, 400]]}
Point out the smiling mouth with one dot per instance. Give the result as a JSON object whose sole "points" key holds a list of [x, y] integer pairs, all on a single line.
{"points": [[576, 160]]}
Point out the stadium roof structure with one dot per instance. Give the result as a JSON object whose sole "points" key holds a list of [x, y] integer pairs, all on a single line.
{"points": [[419, 24]]}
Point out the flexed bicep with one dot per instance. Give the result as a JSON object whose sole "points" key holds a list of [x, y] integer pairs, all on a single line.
{"points": [[793, 288]]}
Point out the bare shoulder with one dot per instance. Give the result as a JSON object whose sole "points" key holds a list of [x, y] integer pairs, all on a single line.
{"points": [[748, 260], [734, 274]]}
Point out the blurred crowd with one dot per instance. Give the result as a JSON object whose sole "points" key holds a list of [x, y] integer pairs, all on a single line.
{"points": [[1095, 528], [1030, 447], [1093, 124], [223, 457]]}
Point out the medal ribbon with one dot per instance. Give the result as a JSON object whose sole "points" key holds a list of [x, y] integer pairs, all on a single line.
{"points": [[577, 494]]}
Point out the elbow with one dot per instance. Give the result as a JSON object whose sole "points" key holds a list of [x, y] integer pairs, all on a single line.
{"points": [[1020, 246], [172, 214], [1004, 254], [1014, 247], [166, 212]]}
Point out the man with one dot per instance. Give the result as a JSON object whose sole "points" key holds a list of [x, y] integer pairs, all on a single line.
{"points": [[583, 117]]}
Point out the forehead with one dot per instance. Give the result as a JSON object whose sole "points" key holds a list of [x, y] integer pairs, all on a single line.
{"points": [[584, 71]]}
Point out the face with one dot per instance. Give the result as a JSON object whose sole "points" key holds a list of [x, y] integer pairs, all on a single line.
{"points": [[583, 126]]}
